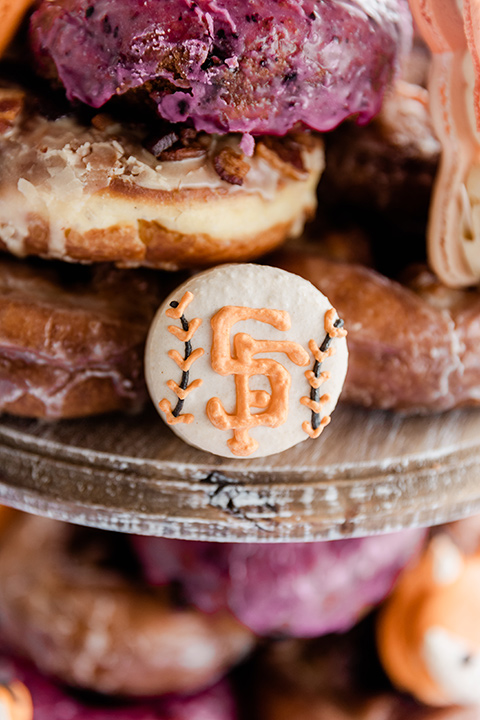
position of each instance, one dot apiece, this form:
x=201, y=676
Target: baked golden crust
x=71, y=339
x=93, y=192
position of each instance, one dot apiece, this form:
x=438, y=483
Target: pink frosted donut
x=301, y=589
x=51, y=702
x=257, y=66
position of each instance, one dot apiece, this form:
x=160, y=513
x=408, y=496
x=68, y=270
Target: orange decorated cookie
x=246, y=360
x=429, y=630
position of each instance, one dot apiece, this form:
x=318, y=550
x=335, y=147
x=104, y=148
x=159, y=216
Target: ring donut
x=298, y=589
x=412, y=348
x=72, y=339
x=257, y=66
x=94, y=628
x=91, y=191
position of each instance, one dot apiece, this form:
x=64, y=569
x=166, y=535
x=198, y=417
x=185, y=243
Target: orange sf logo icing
x=15, y=702
x=243, y=365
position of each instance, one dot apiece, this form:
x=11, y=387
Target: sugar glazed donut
x=66, y=601
x=98, y=189
x=254, y=67
x=72, y=339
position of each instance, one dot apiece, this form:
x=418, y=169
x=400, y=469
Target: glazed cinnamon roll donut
x=71, y=605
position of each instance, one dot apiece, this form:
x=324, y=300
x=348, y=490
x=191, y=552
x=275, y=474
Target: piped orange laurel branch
x=185, y=334
x=15, y=698
x=172, y=419
x=307, y=427
x=316, y=377
x=335, y=331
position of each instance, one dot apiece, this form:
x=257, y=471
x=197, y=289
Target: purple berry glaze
x=51, y=702
x=251, y=66
x=301, y=589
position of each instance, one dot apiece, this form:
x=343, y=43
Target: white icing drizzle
x=56, y=167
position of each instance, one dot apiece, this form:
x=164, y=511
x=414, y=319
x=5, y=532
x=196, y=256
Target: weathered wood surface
x=369, y=472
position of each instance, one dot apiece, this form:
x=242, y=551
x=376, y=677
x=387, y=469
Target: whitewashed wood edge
x=142, y=496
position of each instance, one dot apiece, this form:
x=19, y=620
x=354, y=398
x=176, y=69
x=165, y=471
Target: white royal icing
x=254, y=287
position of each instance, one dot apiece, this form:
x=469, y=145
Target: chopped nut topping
x=179, y=145
x=102, y=121
x=159, y=145
x=181, y=153
x=231, y=166
x=284, y=154
x=11, y=105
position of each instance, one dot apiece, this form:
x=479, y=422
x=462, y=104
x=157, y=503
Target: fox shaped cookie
x=428, y=632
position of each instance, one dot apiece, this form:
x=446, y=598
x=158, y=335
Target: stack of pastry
x=140, y=141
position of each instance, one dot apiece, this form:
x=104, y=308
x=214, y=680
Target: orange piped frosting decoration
x=243, y=365
x=333, y=327
x=185, y=363
x=314, y=381
x=318, y=354
x=185, y=334
x=172, y=419
x=428, y=632
x=178, y=310
x=15, y=701
x=315, y=433
x=183, y=393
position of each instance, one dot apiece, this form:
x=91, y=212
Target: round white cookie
x=246, y=360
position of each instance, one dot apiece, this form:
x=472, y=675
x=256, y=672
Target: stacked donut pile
x=101, y=625
x=170, y=135
x=158, y=137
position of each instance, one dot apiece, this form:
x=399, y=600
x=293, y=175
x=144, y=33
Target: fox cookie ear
x=447, y=560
